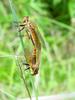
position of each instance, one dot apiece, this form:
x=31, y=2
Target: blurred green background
x=56, y=21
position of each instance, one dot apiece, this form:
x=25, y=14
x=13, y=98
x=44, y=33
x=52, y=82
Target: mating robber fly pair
x=32, y=55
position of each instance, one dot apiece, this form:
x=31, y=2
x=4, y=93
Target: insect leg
x=30, y=37
x=27, y=68
x=22, y=24
x=32, y=40
x=27, y=65
x=18, y=24
x=20, y=29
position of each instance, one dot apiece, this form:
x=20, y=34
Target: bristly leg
x=27, y=65
x=18, y=24
x=20, y=29
x=27, y=68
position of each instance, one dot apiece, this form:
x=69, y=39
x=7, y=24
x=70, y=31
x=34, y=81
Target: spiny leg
x=27, y=65
x=32, y=40
x=22, y=26
x=18, y=24
x=20, y=29
x=30, y=37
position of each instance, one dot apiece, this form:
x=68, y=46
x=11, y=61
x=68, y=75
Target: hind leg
x=27, y=66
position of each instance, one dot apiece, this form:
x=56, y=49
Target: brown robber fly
x=34, y=59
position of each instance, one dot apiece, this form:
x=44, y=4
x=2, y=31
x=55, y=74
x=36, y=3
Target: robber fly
x=34, y=59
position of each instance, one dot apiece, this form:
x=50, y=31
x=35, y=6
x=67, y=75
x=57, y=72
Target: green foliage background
x=55, y=19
